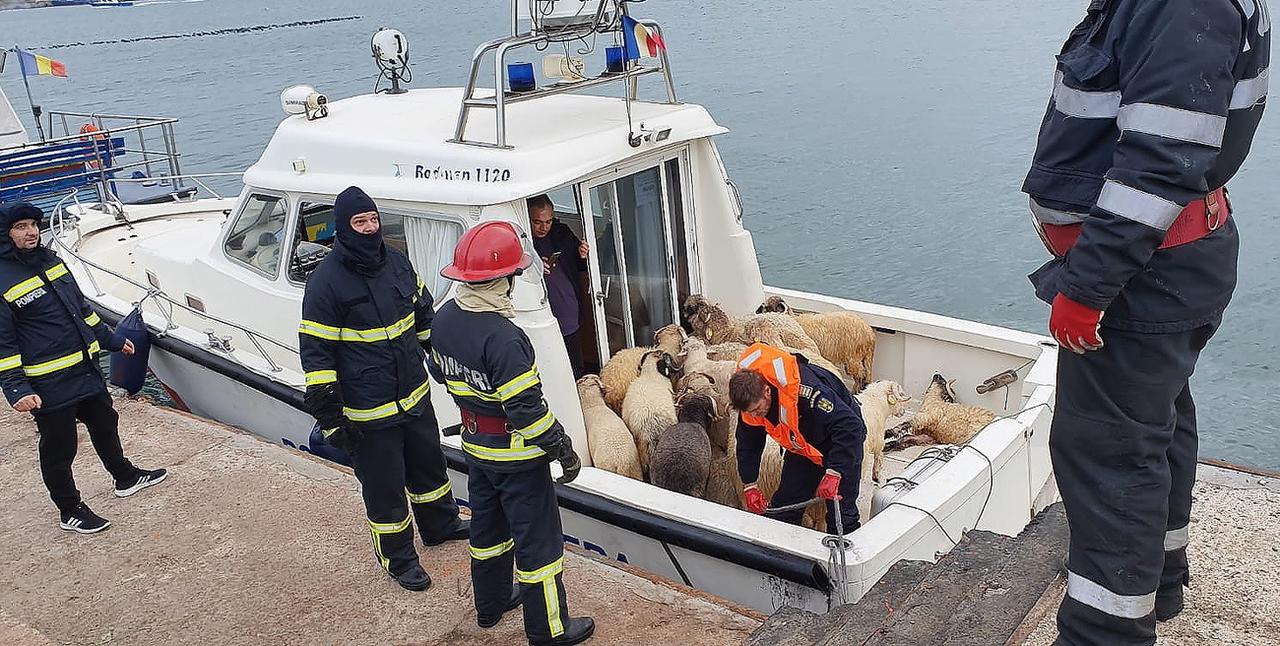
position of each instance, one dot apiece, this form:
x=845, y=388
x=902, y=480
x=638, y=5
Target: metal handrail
x=501, y=46
x=58, y=227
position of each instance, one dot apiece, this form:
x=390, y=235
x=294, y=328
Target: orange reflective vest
x=781, y=371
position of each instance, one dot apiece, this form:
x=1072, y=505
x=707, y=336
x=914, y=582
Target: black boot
x=415, y=578
x=460, y=532
x=487, y=621
x=1168, y=602
x=576, y=631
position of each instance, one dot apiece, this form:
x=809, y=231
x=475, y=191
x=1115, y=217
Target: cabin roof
x=396, y=146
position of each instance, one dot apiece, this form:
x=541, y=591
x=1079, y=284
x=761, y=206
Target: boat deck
x=252, y=543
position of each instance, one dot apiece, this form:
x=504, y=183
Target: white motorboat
x=220, y=283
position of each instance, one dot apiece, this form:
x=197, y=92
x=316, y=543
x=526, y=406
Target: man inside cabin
x=49, y=343
x=564, y=257
x=811, y=414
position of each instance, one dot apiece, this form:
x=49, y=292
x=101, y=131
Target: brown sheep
x=842, y=337
x=942, y=420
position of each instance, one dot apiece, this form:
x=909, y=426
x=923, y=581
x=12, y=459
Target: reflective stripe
x=417, y=395
x=486, y=553
x=1250, y=92
x=1117, y=605
x=463, y=389
x=1176, y=539
x=55, y=272
x=749, y=359
x=370, y=414
x=503, y=455
x=1173, y=123
x=424, y=335
x=377, y=334
x=9, y=363
x=519, y=384
x=92, y=319
x=317, y=377
x=537, y=428
x=390, y=408
x=23, y=288
x=61, y=363
x=1082, y=104
x=1132, y=204
x=1054, y=216
x=784, y=416
x=318, y=330
x=431, y=496
x=389, y=528
x=779, y=369
x=94, y=348
x=548, y=571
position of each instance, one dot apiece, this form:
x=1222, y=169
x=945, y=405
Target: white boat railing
x=223, y=344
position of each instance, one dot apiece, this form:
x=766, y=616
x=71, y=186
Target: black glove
x=324, y=402
x=344, y=437
x=568, y=459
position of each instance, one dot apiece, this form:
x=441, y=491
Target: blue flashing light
x=520, y=77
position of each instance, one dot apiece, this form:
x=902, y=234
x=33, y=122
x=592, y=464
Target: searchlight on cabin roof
x=391, y=52
x=303, y=99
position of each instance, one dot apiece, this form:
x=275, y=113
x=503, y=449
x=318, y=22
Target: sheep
x=610, y=443
x=941, y=419
x=842, y=337
x=649, y=409
x=723, y=484
x=624, y=365
x=713, y=325
x=682, y=455
x=879, y=401
x=728, y=351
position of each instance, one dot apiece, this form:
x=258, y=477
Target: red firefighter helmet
x=487, y=252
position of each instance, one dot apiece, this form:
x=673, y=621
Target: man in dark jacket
x=1153, y=110
x=50, y=339
x=510, y=437
x=365, y=331
x=564, y=257
x=812, y=415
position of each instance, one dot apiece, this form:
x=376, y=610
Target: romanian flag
x=37, y=65
x=639, y=40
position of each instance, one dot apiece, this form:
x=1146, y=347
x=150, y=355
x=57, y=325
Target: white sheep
x=624, y=365
x=728, y=351
x=610, y=443
x=682, y=455
x=879, y=401
x=648, y=409
x=843, y=338
x=942, y=420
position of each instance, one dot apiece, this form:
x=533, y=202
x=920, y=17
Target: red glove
x=829, y=488
x=756, y=503
x=1075, y=326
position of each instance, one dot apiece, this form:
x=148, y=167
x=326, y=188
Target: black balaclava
x=364, y=254
x=10, y=214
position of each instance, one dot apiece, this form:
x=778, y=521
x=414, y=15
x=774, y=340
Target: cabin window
x=427, y=241
x=637, y=231
x=258, y=233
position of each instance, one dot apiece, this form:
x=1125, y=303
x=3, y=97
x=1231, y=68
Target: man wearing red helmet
x=510, y=437
x=365, y=331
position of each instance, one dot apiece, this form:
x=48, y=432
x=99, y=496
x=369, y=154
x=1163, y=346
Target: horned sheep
x=844, y=338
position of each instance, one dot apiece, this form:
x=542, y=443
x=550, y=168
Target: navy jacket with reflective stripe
x=368, y=334
x=1155, y=104
x=48, y=329
x=487, y=363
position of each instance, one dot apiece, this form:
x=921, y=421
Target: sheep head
x=939, y=391
x=591, y=389
x=898, y=398
x=773, y=304
x=669, y=338
x=660, y=361
x=697, y=408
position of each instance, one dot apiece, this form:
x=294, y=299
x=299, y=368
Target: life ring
x=89, y=129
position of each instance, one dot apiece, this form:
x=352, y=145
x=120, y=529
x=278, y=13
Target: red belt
x=484, y=424
x=1197, y=220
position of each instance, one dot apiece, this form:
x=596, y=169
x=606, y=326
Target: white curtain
x=431, y=245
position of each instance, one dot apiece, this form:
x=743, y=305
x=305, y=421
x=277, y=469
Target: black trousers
x=58, y=446
x=514, y=516
x=1124, y=446
x=398, y=460
x=573, y=346
x=799, y=482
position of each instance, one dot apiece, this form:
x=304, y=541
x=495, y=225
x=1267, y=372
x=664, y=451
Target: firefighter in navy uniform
x=510, y=438
x=811, y=414
x=364, y=335
x=49, y=344
x=1154, y=109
